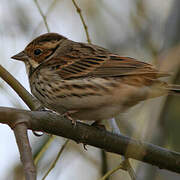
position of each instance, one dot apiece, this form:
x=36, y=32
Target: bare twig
x=109, y=173
x=124, y=165
x=126, y=162
x=50, y=8
x=42, y=14
x=43, y=149
x=54, y=124
x=20, y=131
x=130, y=170
x=104, y=163
x=55, y=161
x=29, y=100
x=83, y=21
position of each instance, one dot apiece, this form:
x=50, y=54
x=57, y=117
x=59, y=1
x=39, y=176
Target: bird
x=86, y=81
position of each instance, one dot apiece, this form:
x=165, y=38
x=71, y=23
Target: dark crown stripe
x=49, y=37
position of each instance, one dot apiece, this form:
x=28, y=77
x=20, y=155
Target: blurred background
x=143, y=29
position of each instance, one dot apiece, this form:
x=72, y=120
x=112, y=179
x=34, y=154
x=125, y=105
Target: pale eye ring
x=37, y=52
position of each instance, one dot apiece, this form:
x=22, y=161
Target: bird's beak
x=20, y=56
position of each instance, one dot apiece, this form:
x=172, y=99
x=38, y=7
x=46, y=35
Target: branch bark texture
x=20, y=131
x=54, y=124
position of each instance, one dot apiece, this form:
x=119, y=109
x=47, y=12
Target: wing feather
x=84, y=60
x=94, y=67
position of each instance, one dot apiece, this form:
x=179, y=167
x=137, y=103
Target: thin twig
x=104, y=163
x=44, y=149
x=125, y=161
x=130, y=170
x=109, y=173
x=29, y=100
x=55, y=161
x=50, y=8
x=20, y=131
x=82, y=20
x=42, y=14
x=124, y=165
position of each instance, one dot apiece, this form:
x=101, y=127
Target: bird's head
x=40, y=49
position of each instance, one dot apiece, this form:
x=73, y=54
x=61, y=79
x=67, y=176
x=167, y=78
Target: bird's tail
x=173, y=89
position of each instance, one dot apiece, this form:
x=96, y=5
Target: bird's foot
x=68, y=116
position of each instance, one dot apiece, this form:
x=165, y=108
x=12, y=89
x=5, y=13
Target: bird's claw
x=68, y=116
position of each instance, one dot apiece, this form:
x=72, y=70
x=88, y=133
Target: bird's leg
x=68, y=115
x=114, y=126
x=125, y=161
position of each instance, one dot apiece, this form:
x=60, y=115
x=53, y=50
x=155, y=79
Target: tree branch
x=20, y=131
x=82, y=133
x=82, y=20
x=29, y=100
x=42, y=14
x=125, y=161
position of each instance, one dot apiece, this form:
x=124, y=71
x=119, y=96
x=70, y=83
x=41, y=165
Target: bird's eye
x=37, y=52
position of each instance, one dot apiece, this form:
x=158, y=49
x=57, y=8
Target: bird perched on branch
x=86, y=81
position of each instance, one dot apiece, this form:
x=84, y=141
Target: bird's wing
x=93, y=61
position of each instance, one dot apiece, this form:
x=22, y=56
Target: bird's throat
x=29, y=68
